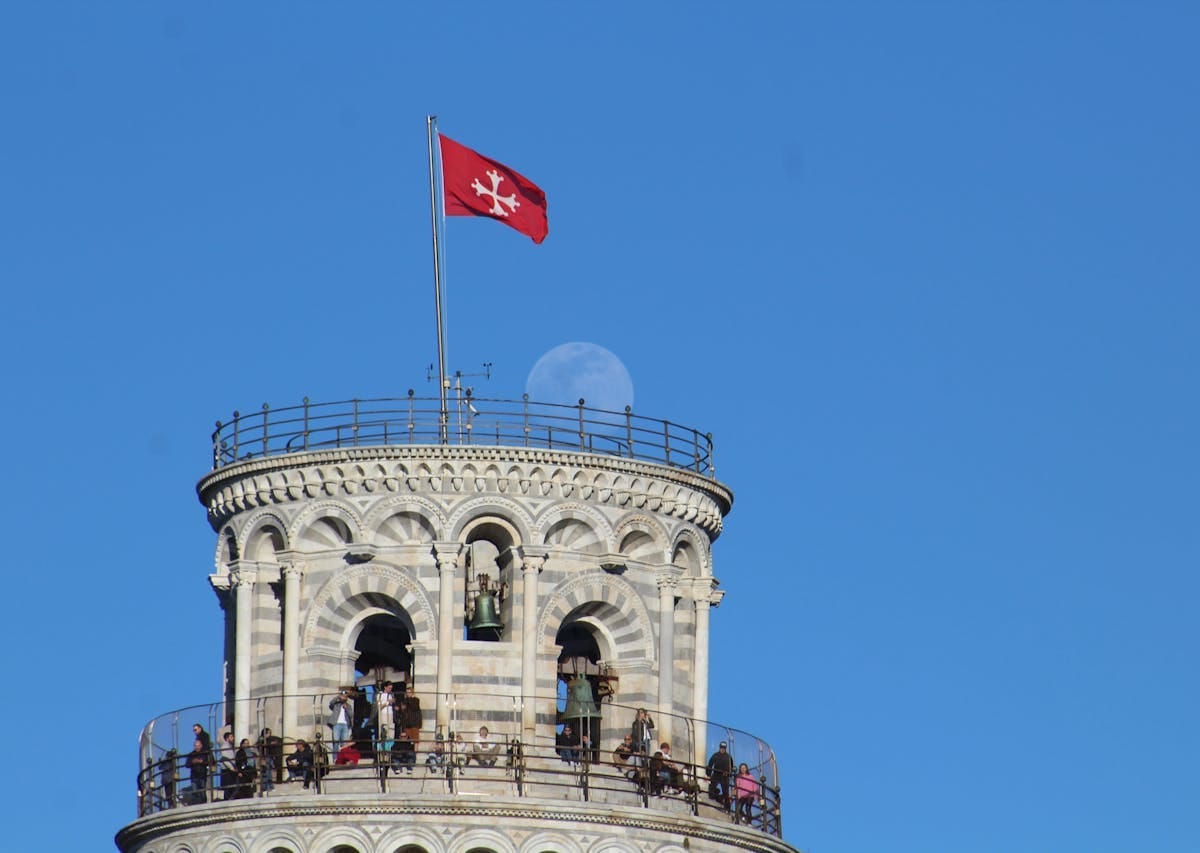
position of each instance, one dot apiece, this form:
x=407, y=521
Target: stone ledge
x=527, y=812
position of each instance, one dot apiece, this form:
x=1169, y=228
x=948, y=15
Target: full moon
x=574, y=370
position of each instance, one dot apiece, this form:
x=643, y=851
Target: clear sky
x=921, y=268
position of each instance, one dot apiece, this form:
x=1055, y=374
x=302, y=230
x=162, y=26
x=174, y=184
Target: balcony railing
x=470, y=421
x=174, y=774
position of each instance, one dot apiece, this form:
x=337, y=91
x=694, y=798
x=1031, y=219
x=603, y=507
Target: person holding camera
x=341, y=715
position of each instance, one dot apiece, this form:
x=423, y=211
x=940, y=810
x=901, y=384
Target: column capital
x=667, y=577
x=446, y=554
x=242, y=572
x=531, y=558
x=292, y=570
x=702, y=590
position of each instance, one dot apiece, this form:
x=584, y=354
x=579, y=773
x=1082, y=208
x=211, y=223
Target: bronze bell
x=580, y=704
x=486, y=615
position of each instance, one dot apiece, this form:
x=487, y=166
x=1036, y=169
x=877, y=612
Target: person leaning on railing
x=300, y=763
x=625, y=760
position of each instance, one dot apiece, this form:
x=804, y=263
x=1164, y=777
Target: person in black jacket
x=197, y=763
x=566, y=744
x=243, y=764
x=300, y=763
x=719, y=769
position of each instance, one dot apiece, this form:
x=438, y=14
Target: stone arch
x=325, y=525
x=559, y=842
x=342, y=835
x=608, y=604
x=417, y=517
x=493, y=528
x=264, y=536
x=279, y=839
x=641, y=537
x=609, y=845
x=227, y=546
x=223, y=844
x=410, y=838
x=576, y=527
x=688, y=553
x=481, y=839
x=351, y=595
x=499, y=508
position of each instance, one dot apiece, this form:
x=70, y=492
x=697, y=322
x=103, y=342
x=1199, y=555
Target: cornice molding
x=593, y=479
x=386, y=809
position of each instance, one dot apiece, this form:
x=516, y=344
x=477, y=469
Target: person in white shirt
x=485, y=751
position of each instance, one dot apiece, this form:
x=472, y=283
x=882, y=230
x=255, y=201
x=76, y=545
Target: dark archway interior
x=382, y=648
x=580, y=656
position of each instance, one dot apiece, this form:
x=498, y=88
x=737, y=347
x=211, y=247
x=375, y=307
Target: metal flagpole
x=443, y=412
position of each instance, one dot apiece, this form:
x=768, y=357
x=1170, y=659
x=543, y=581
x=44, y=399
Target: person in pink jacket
x=746, y=788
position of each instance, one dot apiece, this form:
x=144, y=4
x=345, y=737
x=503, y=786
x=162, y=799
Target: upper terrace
x=469, y=421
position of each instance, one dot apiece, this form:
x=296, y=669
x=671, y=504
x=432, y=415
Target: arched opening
x=487, y=579
x=579, y=679
x=383, y=651
x=384, y=655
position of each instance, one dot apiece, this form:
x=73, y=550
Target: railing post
x=525, y=411
x=470, y=417
x=582, y=443
x=696, y=450
x=265, y=409
x=217, y=447
x=237, y=422
x=712, y=464
x=411, y=424
x=666, y=442
x=354, y=427
x=629, y=429
x=306, y=424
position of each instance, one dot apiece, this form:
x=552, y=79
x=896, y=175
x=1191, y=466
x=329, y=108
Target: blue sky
x=922, y=270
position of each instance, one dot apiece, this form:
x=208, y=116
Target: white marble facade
x=311, y=545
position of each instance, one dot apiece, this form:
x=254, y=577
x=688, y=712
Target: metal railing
x=471, y=421
x=179, y=768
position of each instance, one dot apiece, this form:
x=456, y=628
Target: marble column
x=532, y=562
x=291, y=648
x=705, y=598
x=446, y=554
x=242, y=579
x=668, y=579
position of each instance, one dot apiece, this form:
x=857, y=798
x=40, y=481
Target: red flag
x=477, y=186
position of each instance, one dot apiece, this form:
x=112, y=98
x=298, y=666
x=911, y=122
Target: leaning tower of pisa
x=515, y=566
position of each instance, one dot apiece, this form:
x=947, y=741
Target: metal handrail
x=475, y=421
x=526, y=770
x=595, y=772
